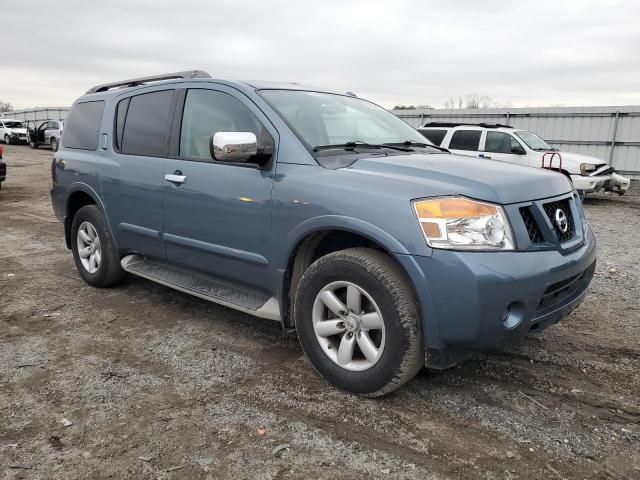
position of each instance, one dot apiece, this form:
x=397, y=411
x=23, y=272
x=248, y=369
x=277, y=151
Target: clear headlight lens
x=587, y=168
x=458, y=223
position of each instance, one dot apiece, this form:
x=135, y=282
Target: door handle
x=482, y=155
x=176, y=177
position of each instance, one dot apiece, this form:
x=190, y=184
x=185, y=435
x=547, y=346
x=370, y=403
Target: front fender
x=340, y=222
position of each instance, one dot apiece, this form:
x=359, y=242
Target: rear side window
x=433, y=135
x=465, y=140
x=83, y=126
x=145, y=129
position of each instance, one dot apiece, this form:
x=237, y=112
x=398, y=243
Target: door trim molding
x=220, y=250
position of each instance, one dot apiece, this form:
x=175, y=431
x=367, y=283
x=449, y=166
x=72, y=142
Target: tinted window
x=146, y=124
x=465, y=140
x=120, y=116
x=207, y=112
x=83, y=125
x=434, y=136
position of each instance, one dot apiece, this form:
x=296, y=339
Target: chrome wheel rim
x=348, y=326
x=89, y=249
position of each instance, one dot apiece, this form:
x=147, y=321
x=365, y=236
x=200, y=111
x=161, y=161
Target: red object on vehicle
x=1, y=150
x=551, y=156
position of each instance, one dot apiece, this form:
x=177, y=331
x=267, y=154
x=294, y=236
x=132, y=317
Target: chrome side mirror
x=233, y=146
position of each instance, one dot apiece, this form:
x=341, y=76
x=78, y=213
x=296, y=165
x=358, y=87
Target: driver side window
x=207, y=112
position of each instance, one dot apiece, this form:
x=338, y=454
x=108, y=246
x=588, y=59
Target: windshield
x=325, y=119
x=533, y=141
x=13, y=125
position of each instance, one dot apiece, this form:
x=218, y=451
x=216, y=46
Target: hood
x=426, y=175
x=571, y=161
x=15, y=130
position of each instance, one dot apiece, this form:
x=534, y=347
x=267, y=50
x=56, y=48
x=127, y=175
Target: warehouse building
x=38, y=113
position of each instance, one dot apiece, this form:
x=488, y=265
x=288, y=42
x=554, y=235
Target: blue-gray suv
x=322, y=211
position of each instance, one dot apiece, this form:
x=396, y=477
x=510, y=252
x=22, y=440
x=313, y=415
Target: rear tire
x=94, y=251
x=387, y=316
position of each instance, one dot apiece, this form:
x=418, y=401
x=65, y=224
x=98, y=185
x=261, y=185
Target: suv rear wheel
x=358, y=322
x=94, y=251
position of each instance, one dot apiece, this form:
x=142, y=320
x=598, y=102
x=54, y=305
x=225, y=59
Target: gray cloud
x=393, y=52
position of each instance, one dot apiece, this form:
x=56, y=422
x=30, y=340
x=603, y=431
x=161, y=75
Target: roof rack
x=134, y=82
x=458, y=124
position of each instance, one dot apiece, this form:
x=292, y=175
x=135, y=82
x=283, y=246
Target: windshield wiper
x=413, y=143
x=359, y=144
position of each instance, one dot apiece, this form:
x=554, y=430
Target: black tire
x=33, y=144
x=375, y=272
x=54, y=144
x=7, y=139
x=109, y=271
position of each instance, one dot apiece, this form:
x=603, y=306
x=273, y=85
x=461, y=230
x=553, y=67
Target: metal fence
x=609, y=133
x=44, y=113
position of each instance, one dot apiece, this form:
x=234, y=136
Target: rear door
x=133, y=181
x=465, y=142
x=217, y=218
x=504, y=147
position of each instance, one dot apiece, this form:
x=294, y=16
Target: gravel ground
x=152, y=383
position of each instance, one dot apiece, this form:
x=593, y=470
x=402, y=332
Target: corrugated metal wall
x=44, y=113
x=609, y=133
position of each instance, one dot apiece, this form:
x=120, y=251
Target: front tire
x=54, y=144
x=7, y=139
x=94, y=252
x=358, y=321
x=33, y=144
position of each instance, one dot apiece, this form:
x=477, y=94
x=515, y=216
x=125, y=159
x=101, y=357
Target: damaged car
x=522, y=147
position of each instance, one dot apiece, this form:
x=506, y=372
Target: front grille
x=535, y=235
x=551, y=210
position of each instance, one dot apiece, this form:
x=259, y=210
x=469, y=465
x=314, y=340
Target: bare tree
x=474, y=101
x=5, y=107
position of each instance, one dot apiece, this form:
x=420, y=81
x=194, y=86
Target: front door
x=505, y=148
x=217, y=217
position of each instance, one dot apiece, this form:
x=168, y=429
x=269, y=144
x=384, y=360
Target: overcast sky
x=528, y=53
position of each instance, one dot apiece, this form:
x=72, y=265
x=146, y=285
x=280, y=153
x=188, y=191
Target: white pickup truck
x=508, y=144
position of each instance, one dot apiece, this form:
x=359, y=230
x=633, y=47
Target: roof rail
x=134, y=82
x=459, y=124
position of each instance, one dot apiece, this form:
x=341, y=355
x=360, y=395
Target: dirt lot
x=157, y=384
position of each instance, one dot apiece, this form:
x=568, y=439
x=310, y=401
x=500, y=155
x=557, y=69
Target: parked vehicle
x=12, y=131
x=322, y=211
x=45, y=132
x=3, y=168
x=508, y=144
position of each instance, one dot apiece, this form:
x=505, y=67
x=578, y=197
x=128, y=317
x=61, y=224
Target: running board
x=202, y=287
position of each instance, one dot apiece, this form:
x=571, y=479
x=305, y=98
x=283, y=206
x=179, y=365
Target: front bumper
x=617, y=183
x=588, y=184
x=480, y=300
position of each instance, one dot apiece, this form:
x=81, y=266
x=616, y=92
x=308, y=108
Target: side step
x=203, y=287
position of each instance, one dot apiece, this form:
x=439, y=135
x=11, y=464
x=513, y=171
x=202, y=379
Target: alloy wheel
x=348, y=326
x=89, y=249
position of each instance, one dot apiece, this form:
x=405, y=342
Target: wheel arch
x=80, y=195
x=323, y=235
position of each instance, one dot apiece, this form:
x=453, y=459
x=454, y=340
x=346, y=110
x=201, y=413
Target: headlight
x=461, y=224
x=586, y=168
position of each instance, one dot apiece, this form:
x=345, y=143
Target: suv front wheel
x=358, y=321
x=94, y=251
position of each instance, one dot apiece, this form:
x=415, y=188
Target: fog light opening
x=513, y=315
